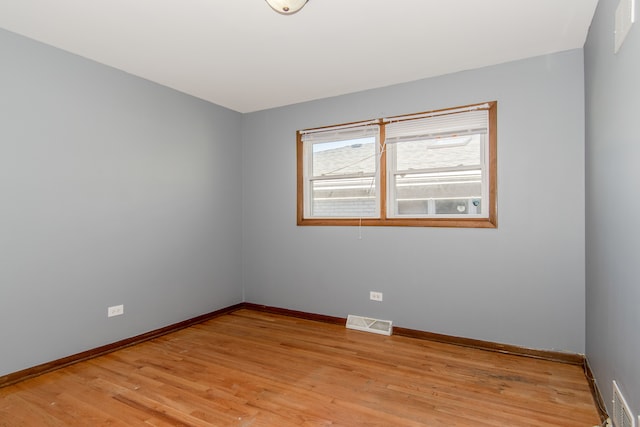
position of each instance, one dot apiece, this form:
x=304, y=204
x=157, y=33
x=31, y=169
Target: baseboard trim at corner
x=294, y=313
x=595, y=391
x=554, y=356
x=34, y=371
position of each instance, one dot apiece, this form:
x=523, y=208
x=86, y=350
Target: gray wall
x=113, y=190
x=522, y=283
x=613, y=201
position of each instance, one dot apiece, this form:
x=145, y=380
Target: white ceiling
x=244, y=56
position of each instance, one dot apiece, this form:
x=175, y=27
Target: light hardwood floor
x=251, y=368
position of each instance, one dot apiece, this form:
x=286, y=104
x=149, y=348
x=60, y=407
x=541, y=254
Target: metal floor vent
x=368, y=324
x=622, y=416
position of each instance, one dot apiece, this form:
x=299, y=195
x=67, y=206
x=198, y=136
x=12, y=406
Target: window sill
x=403, y=222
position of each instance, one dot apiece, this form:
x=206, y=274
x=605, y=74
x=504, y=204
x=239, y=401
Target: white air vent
x=367, y=324
x=622, y=416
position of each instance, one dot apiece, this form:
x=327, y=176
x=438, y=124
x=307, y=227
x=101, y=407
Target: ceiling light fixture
x=287, y=7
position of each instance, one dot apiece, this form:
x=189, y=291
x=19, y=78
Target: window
x=428, y=169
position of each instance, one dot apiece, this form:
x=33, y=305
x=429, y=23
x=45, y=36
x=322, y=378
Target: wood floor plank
x=251, y=368
x=16, y=411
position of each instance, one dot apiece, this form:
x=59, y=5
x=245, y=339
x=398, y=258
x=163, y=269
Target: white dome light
x=286, y=7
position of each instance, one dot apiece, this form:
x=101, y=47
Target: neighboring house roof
x=417, y=155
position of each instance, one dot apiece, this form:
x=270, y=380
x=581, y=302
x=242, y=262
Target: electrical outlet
x=115, y=310
x=375, y=296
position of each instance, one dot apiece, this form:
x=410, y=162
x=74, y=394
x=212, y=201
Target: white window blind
x=417, y=129
x=340, y=133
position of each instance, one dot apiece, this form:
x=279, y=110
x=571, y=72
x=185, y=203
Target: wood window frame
x=491, y=221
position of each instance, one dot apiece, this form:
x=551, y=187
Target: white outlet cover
x=375, y=296
x=115, y=310
x=625, y=17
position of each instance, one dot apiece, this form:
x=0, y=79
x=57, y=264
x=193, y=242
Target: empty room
x=319, y=212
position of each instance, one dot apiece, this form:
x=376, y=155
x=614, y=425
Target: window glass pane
x=451, y=193
x=346, y=157
x=413, y=207
x=452, y=206
x=344, y=198
x=438, y=153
